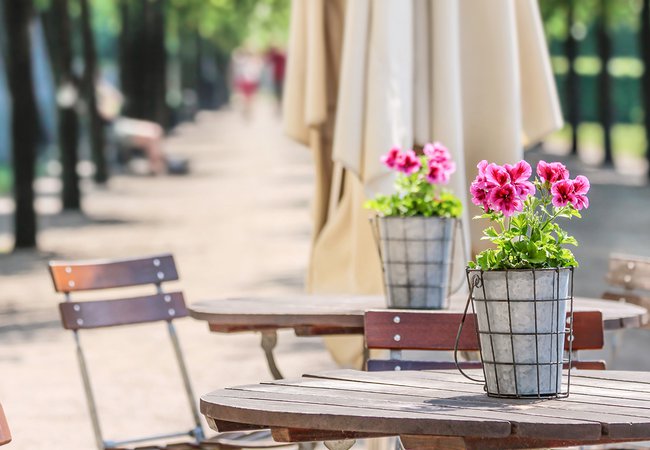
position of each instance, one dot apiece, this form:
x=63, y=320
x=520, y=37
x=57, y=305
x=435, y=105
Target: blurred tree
x=18, y=14
x=644, y=37
x=67, y=102
x=605, y=106
x=90, y=78
x=573, y=81
x=156, y=62
x=143, y=59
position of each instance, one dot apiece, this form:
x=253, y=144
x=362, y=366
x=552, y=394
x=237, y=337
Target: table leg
x=269, y=341
x=340, y=445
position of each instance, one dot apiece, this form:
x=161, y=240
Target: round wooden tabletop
x=603, y=406
x=345, y=312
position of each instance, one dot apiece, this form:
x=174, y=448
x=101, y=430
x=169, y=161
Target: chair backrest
x=69, y=277
x=398, y=330
x=5, y=435
x=630, y=275
x=105, y=274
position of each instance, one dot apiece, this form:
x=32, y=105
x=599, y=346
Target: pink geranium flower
x=519, y=177
x=390, y=159
x=563, y=193
x=479, y=194
x=552, y=172
x=481, y=179
x=496, y=175
x=408, y=162
x=504, y=198
x=438, y=173
x=581, y=187
x=437, y=152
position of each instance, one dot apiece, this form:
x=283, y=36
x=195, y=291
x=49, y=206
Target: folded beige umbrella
x=472, y=74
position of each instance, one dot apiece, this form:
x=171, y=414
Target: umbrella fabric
x=474, y=75
x=312, y=76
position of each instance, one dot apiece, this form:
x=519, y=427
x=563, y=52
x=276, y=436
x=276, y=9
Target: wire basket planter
x=524, y=323
x=416, y=255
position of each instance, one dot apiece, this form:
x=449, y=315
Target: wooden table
x=318, y=314
x=435, y=408
x=311, y=315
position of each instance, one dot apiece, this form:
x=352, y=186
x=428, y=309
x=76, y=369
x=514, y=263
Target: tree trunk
x=126, y=71
x=222, y=61
x=572, y=83
x=188, y=54
x=24, y=128
x=156, y=57
x=67, y=101
x=605, y=107
x=644, y=36
x=90, y=75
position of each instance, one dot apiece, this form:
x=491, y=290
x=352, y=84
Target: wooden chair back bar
x=435, y=330
x=629, y=297
x=5, y=434
x=92, y=275
x=109, y=313
x=629, y=272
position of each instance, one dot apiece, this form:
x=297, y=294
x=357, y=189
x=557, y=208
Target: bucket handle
x=475, y=282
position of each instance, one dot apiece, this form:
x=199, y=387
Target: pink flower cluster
x=439, y=165
x=505, y=188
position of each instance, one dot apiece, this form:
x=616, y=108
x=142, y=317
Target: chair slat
x=108, y=313
x=629, y=272
x=435, y=330
x=628, y=297
x=418, y=330
x=91, y=275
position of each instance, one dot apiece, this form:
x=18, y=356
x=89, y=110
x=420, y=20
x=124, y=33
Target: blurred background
x=139, y=127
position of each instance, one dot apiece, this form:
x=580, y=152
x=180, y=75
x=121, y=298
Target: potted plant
x=521, y=287
x=415, y=228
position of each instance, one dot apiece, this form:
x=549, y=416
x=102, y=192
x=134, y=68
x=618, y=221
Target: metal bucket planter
x=416, y=254
x=521, y=323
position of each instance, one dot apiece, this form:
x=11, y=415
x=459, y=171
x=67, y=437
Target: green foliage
x=415, y=196
x=531, y=239
x=230, y=23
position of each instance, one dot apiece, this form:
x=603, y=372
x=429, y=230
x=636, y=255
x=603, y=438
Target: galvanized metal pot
x=521, y=323
x=416, y=255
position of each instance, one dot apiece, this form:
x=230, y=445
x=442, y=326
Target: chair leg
x=269, y=341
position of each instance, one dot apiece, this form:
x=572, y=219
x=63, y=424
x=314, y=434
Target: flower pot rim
x=379, y=216
x=532, y=269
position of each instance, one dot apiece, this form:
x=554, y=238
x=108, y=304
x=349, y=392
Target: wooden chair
x=398, y=330
x=5, y=434
x=162, y=306
x=632, y=275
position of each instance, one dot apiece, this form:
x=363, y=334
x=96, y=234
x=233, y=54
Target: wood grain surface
x=604, y=406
